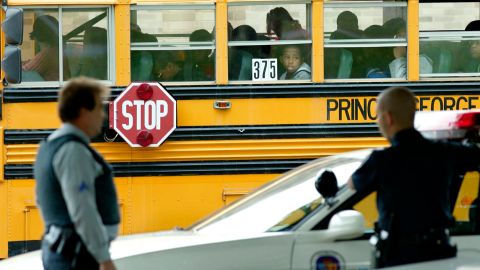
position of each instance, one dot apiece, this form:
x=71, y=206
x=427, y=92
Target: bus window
x=82, y=45
x=85, y=35
x=365, y=39
x=173, y=43
x=40, y=48
x=450, y=39
x=269, y=42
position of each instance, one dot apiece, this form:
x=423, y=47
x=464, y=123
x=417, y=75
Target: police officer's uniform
x=414, y=179
x=77, y=199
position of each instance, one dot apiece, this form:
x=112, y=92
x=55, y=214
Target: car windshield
x=282, y=203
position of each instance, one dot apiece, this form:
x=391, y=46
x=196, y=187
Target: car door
x=315, y=249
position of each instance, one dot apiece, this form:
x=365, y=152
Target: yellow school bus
x=261, y=87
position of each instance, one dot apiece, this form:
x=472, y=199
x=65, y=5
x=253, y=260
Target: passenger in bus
x=142, y=62
x=347, y=28
x=293, y=61
x=166, y=68
x=44, y=66
x=398, y=66
x=94, y=62
x=377, y=59
x=470, y=51
x=240, y=57
x=281, y=25
x=199, y=65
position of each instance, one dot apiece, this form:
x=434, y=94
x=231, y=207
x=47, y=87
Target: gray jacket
x=304, y=72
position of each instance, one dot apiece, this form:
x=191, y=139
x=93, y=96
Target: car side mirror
x=326, y=184
x=347, y=224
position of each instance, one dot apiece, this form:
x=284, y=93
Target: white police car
x=287, y=224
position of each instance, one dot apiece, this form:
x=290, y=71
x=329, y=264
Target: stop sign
x=144, y=114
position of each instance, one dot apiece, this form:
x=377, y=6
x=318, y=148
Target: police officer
x=74, y=185
x=413, y=179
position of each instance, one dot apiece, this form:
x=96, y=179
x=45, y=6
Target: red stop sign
x=144, y=114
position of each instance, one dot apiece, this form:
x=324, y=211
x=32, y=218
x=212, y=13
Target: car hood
x=131, y=245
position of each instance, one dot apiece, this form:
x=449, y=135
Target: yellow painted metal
x=3, y=185
x=413, y=49
x=466, y=195
x=20, y=116
x=3, y=219
x=59, y=2
x=146, y=203
x=24, y=221
x=2, y=45
x=122, y=44
x=221, y=18
x=165, y=201
x=4, y=201
x=261, y=111
x=318, y=75
x=213, y=150
x=367, y=207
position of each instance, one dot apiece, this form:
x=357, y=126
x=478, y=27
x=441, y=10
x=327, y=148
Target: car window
x=342, y=172
x=465, y=209
x=283, y=203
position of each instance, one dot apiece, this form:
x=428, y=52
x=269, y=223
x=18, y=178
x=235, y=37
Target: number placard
x=264, y=69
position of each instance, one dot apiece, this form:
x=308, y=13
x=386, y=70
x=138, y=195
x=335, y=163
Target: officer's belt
x=432, y=236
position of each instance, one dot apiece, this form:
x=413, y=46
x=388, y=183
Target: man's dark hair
x=200, y=35
x=45, y=29
x=77, y=94
x=347, y=20
x=395, y=26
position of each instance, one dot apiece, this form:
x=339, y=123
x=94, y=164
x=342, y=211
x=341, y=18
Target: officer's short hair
x=79, y=93
x=401, y=102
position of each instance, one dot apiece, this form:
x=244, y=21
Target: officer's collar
x=409, y=134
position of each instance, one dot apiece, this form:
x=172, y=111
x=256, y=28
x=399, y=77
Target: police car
x=298, y=221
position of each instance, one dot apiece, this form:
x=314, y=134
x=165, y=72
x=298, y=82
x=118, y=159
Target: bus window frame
x=364, y=43
x=456, y=36
x=309, y=41
x=110, y=43
x=177, y=46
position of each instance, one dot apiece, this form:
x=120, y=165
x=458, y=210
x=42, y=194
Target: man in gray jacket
x=74, y=184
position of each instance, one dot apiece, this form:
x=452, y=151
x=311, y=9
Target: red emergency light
x=448, y=125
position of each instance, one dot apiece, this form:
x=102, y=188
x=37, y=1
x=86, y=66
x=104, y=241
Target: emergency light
x=448, y=125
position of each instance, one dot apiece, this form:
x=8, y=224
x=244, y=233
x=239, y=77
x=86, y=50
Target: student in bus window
x=199, y=65
x=347, y=28
x=293, y=61
x=142, y=62
x=240, y=57
x=377, y=59
x=281, y=24
x=166, y=68
x=470, y=59
x=398, y=67
x=44, y=65
x=95, y=55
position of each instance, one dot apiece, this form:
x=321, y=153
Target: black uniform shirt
x=413, y=179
